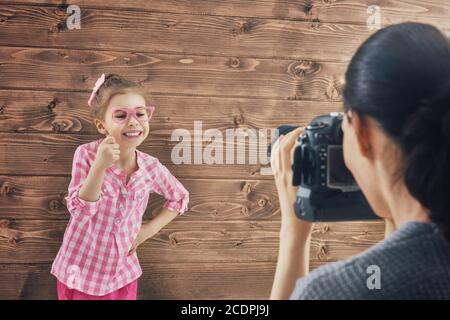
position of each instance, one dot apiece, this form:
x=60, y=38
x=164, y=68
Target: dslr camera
x=328, y=190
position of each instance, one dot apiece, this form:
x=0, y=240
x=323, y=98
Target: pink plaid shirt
x=93, y=257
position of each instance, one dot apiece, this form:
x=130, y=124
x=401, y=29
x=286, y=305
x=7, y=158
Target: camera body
x=328, y=190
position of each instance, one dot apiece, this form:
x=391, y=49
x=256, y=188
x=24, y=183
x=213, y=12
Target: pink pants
x=129, y=292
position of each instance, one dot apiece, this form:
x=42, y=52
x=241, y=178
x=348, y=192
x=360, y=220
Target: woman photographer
x=397, y=145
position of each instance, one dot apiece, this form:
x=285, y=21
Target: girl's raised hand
x=108, y=152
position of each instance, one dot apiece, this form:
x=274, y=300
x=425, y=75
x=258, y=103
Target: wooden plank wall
x=230, y=64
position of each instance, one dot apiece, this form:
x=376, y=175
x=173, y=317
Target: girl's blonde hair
x=114, y=84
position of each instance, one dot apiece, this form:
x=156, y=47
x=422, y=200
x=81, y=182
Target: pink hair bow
x=95, y=89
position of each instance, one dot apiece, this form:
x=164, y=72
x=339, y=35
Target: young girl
x=108, y=193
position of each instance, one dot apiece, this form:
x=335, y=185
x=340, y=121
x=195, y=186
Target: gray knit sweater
x=412, y=263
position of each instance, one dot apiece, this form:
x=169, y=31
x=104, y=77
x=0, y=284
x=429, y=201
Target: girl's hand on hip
x=142, y=236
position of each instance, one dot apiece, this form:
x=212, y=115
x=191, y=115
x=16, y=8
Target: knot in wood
x=234, y=62
x=322, y=251
x=238, y=243
x=245, y=211
x=4, y=223
x=238, y=119
x=301, y=69
x=5, y=189
x=262, y=202
x=52, y=104
x=307, y=8
x=243, y=27
x=54, y=205
x=247, y=188
x=173, y=242
x=12, y=241
x=59, y=126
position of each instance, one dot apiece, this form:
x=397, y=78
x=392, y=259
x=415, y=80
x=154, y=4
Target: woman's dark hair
x=400, y=76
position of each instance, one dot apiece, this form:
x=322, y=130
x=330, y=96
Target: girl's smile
x=127, y=119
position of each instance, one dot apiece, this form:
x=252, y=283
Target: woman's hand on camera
x=293, y=253
x=281, y=164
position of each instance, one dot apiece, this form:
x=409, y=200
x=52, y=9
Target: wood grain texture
x=344, y=11
x=230, y=64
x=32, y=111
x=228, y=275
x=23, y=68
x=190, y=281
x=52, y=154
x=166, y=32
x=42, y=114
x=212, y=35
x=43, y=198
x=184, y=241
